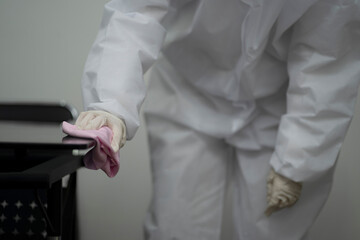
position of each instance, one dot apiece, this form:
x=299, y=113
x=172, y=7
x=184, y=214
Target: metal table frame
x=42, y=166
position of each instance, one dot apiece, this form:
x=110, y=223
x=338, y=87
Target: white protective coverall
x=238, y=86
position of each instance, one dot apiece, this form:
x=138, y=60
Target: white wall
x=43, y=47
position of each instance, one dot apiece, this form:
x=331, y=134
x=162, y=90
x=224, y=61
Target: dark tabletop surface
x=39, y=135
x=37, y=155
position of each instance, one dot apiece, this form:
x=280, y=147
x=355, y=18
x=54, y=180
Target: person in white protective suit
x=262, y=91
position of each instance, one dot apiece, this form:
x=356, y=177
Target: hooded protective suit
x=238, y=86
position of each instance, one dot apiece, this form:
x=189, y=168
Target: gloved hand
x=281, y=192
x=97, y=119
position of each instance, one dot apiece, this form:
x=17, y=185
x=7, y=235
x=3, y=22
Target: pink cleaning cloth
x=102, y=156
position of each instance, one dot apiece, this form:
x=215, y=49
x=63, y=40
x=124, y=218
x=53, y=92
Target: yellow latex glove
x=281, y=192
x=96, y=119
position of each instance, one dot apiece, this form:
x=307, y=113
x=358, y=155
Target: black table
x=39, y=156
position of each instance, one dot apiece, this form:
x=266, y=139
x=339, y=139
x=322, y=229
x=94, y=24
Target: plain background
x=43, y=48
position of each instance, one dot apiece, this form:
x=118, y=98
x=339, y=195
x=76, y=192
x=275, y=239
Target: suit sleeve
x=128, y=42
x=324, y=74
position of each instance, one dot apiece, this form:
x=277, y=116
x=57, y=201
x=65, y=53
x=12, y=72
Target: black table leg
x=55, y=211
x=69, y=210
